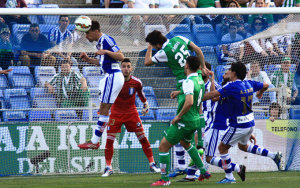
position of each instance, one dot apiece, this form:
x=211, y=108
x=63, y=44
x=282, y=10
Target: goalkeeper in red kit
x=124, y=111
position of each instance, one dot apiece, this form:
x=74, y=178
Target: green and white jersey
x=67, y=87
x=290, y=3
x=193, y=85
x=174, y=53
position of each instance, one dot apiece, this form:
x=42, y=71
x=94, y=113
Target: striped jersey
x=107, y=63
x=56, y=36
x=290, y=3
x=209, y=107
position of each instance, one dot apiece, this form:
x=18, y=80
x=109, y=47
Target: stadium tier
x=50, y=98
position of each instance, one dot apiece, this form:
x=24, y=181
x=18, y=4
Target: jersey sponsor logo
x=131, y=91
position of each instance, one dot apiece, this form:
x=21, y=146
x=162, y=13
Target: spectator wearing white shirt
x=282, y=44
x=168, y=19
x=255, y=73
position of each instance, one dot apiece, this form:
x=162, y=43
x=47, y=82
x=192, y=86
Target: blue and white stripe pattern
x=55, y=35
x=209, y=107
x=228, y=135
x=108, y=64
x=213, y=143
x=109, y=83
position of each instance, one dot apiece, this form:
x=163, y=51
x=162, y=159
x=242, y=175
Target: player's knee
x=208, y=158
x=242, y=147
x=222, y=148
x=184, y=144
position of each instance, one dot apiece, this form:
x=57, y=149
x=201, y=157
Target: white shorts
x=110, y=87
x=237, y=135
x=212, y=139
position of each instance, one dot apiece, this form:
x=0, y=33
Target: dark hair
x=34, y=25
x=126, y=60
x=239, y=69
x=233, y=24
x=208, y=65
x=263, y=21
x=63, y=16
x=235, y=2
x=156, y=37
x=95, y=26
x=193, y=63
x=275, y=105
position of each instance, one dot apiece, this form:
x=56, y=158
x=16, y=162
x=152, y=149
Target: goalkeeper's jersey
x=174, y=53
x=125, y=102
x=193, y=85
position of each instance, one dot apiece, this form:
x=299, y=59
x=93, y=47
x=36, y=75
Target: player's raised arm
x=88, y=59
x=148, y=56
x=261, y=91
x=211, y=95
x=199, y=53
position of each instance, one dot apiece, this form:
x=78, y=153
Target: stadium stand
x=65, y=115
x=43, y=74
x=149, y=116
x=93, y=75
x=3, y=82
x=40, y=98
x=166, y=114
x=181, y=30
x=20, y=77
x=40, y=116
x=202, y=32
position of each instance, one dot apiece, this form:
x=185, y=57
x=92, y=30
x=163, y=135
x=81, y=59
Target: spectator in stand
x=285, y=78
x=62, y=38
x=207, y=3
x=296, y=47
x=69, y=87
x=242, y=3
x=252, y=3
x=268, y=17
x=33, y=46
x=233, y=50
x=282, y=44
x=6, y=53
x=255, y=73
x=187, y=3
x=275, y=111
x=113, y=3
x=2, y=20
x=287, y=3
x=10, y=20
x=168, y=19
x=135, y=23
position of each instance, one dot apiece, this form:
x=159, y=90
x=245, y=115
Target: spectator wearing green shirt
x=268, y=17
x=287, y=3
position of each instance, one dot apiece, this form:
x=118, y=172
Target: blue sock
x=191, y=171
x=216, y=161
x=226, y=163
x=100, y=128
x=179, y=154
x=255, y=149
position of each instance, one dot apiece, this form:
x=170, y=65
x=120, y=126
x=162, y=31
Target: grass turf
x=253, y=180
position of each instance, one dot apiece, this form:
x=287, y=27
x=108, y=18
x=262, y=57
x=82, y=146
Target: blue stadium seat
x=150, y=28
x=14, y=116
x=66, y=115
x=33, y=18
x=40, y=116
x=166, y=114
x=20, y=77
x=3, y=81
x=149, y=116
x=49, y=19
x=93, y=75
x=43, y=74
x=94, y=97
x=2, y=100
x=148, y=91
x=294, y=113
x=45, y=28
x=181, y=30
x=16, y=98
x=85, y=115
x=152, y=101
x=220, y=70
x=74, y=68
x=71, y=27
x=42, y=99
x=204, y=34
x=34, y=2
x=198, y=20
x=18, y=30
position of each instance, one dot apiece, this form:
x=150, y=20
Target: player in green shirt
x=185, y=123
x=172, y=52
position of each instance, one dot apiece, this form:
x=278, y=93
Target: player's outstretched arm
x=148, y=56
x=86, y=58
x=199, y=53
x=118, y=55
x=261, y=91
x=211, y=95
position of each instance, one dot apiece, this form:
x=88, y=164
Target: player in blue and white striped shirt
x=110, y=86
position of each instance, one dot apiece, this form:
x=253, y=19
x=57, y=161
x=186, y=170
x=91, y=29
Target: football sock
x=100, y=128
x=191, y=171
x=194, y=154
x=164, y=162
x=179, y=157
x=216, y=161
x=255, y=149
x=146, y=147
x=109, y=149
x=226, y=165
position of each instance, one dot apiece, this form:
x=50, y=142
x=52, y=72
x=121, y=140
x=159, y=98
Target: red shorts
x=131, y=121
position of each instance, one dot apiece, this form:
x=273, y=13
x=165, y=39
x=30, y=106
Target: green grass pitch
x=253, y=180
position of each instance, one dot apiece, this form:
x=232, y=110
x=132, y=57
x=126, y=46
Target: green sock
x=194, y=154
x=164, y=160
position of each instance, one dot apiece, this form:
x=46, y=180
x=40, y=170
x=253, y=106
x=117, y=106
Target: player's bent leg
x=226, y=163
x=147, y=151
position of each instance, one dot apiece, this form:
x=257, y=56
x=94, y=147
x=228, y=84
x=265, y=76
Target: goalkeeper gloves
x=145, y=108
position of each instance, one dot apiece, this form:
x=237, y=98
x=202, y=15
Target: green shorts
x=181, y=131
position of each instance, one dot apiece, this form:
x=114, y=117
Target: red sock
x=146, y=147
x=109, y=149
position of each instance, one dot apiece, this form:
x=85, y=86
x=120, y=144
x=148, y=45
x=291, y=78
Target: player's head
x=255, y=68
x=237, y=71
x=275, y=110
x=94, y=33
x=126, y=67
x=156, y=39
x=285, y=64
x=63, y=22
x=226, y=78
x=192, y=64
x=208, y=66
